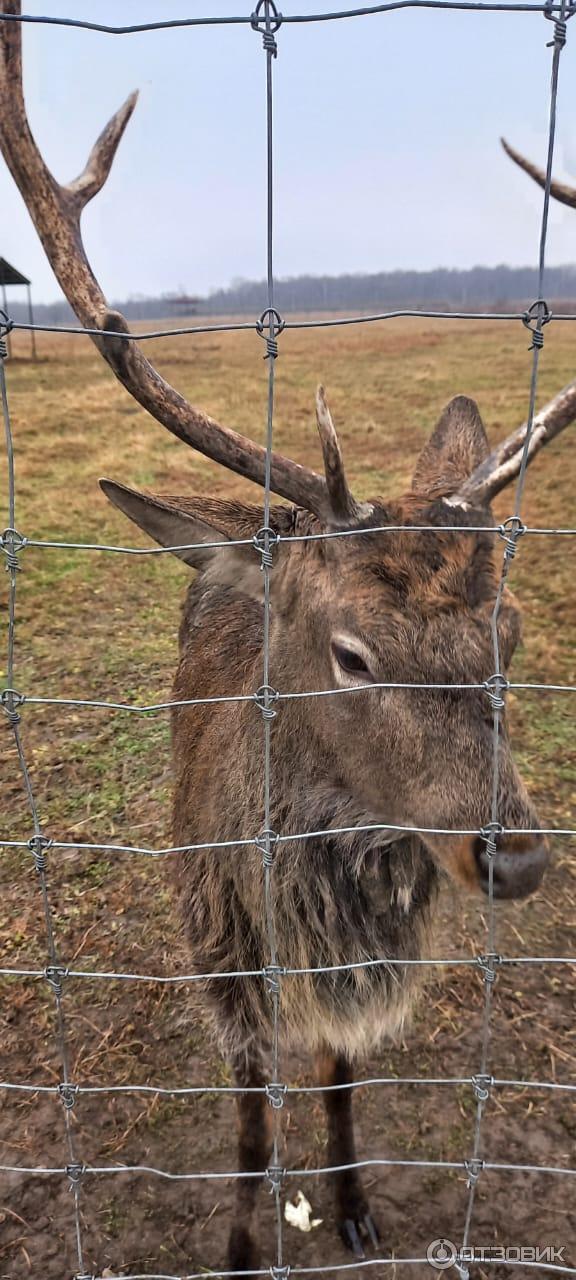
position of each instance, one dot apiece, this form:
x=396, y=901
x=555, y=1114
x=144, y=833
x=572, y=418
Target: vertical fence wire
x=38, y=843
x=274, y=979
x=499, y=684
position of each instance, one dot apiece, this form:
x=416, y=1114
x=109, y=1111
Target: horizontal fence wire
x=285, y=19
x=244, y=842
x=255, y=326
x=14, y=542
x=235, y=1175
x=267, y=20
x=329, y=1268
x=334, y=1268
x=23, y=542
x=384, y=962
x=392, y=1261
x=171, y=1091
x=255, y=698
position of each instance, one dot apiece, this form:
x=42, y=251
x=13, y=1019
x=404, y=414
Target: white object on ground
x=298, y=1213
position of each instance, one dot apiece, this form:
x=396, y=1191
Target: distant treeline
x=481, y=288
x=444, y=289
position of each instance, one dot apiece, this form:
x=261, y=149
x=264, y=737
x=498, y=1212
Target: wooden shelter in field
x=9, y=275
x=183, y=302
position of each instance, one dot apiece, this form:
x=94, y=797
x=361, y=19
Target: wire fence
x=267, y=21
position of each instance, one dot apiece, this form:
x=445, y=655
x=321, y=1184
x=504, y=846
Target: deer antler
x=503, y=464
x=56, y=212
x=346, y=510
x=560, y=191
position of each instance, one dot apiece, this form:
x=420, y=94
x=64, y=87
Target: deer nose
x=519, y=864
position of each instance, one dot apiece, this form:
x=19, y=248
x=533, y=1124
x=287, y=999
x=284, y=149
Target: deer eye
x=351, y=661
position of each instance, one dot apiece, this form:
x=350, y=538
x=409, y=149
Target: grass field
x=104, y=627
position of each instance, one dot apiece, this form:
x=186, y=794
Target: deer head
x=390, y=606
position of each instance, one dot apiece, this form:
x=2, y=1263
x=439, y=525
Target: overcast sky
x=386, y=142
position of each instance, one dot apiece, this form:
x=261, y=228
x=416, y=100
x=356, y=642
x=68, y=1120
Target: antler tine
x=560, y=190
x=503, y=464
x=344, y=509
x=56, y=212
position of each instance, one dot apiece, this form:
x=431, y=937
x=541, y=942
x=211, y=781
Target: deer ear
x=176, y=522
x=457, y=445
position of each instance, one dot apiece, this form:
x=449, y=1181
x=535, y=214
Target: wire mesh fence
x=76, y=1168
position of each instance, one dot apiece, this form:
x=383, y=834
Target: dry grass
x=105, y=627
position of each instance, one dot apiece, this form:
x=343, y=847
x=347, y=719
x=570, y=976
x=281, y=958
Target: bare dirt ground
x=104, y=627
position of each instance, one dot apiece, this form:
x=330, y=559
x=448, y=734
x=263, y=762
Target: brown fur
x=414, y=758
x=418, y=605
x=425, y=760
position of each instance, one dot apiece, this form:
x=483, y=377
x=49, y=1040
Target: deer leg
x=355, y=1222
x=254, y=1146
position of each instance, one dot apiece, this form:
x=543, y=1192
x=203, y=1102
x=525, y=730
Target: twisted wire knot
x=495, y=687
x=489, y=834
x=481, y=1086
x=272, y=975
x=276, y=1094
x=271, y=348
x=263, y=698
x=75, y=1172
x=534, y=319
x=269, y=43
x=473, y=1168
x=68, y=1094
x=274, y=1175
x=55, y=975
x=488, y=964
x=280, y=1273
x=268, y=326
x=510, y=530
x=6, y=327
x=265, y=542
x=266, y=842
x=10, y=699
x=266, y=13
x=560, y=33
x=12, y=542
x=38, y=846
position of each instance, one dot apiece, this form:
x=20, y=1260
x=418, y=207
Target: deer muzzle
x=519, y=864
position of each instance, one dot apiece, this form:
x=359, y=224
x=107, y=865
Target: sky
x=386, y=143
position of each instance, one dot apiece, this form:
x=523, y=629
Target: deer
x=398, y=781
